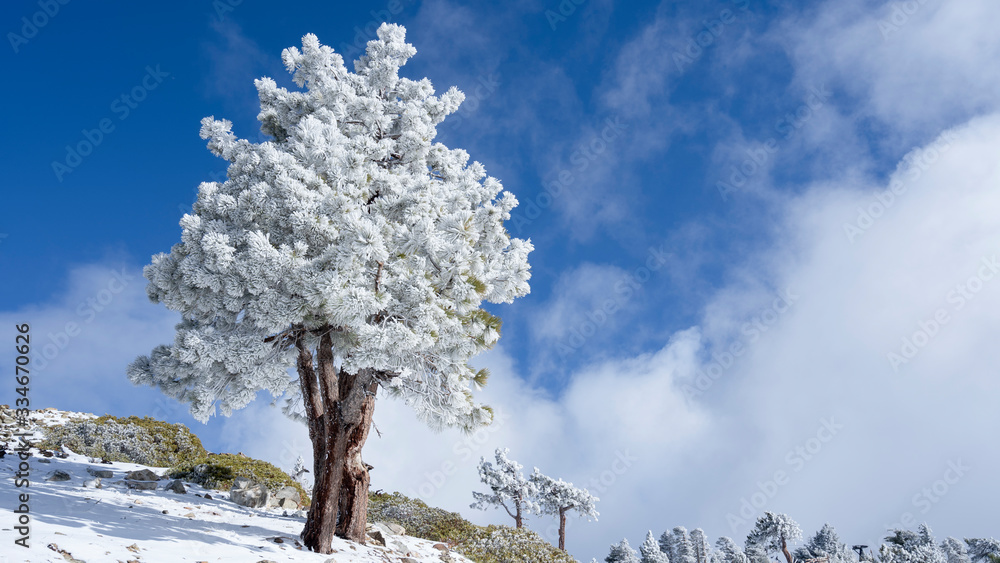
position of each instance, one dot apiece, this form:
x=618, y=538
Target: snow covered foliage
x=825, y=543
x=350, y=221
x=557, y=496
x=676, y=544
x=729, y=551
x=983, y=550
x=622, y=552
x=954, y=551
x=509, y=488
x=650, y=551
x=904, y=546
x=135, y=440
x=772, y=533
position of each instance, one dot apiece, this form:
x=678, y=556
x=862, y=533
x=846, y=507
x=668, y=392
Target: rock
x=242, y=483
x=398, y=546
x=289, y=493
x=176, y=486
x=94, y=483
x=288, y=504
x=252, y=497
x=208, y=496
x=141, y=485
x=58, y=475
x=377, y=537
x=102, y=473
x=440, y=547
x=301, y=514
x=395, y=528
x=43, y=460
x=142, y=475
x=409, y=560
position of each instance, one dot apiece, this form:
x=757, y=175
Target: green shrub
x=482, y=544
x=217, y=471
x=134, y=440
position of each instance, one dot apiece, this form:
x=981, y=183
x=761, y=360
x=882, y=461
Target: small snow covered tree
x=772, y=533
x=984, y=550
x=508, y=486
x=622, y=552
x=650, y=550
x=348, y=248
x=700, y=546
x=299, y=472
x=557, y=497
x=729, y=551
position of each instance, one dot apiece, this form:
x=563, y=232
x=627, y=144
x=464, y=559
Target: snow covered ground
x=70, y=522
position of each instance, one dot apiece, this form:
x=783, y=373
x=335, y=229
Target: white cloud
x=918, y=67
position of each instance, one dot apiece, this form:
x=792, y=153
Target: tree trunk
x=357, y=406
x=562, y=528
x=339, y=410
x=517, y=514
x=784, y=549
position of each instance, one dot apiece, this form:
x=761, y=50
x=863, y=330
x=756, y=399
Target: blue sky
x=713, y=173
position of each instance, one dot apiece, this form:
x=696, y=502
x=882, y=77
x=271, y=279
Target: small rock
x=395, y=528
x=92, y=483
x=288, y=504
x=102, y=473
x=208, y=496
x=440, y=547
x=189, y=515
x=176, y=486
x=43, y=460
x=58, y=475
x=163, y=512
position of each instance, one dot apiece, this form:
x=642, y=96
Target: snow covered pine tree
x=772, y=533
x=507, y=485
x=557, y=497
x=349, y=247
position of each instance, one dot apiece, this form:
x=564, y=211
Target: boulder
x=140, y=485
x=176, y=486
x=256, y=496
x=289, y=493
x=94, y=483
x=142, y=475
x=395, y=528
x=58, y=475
x=102, y=473
x=242, y=483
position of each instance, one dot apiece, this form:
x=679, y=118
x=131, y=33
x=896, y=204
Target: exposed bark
x=339, y=408
x=784, y=549
x=518, y=520
x=357, y=406
x=562, y=527
x=322, y=519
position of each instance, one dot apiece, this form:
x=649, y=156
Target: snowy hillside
x=71, y=521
